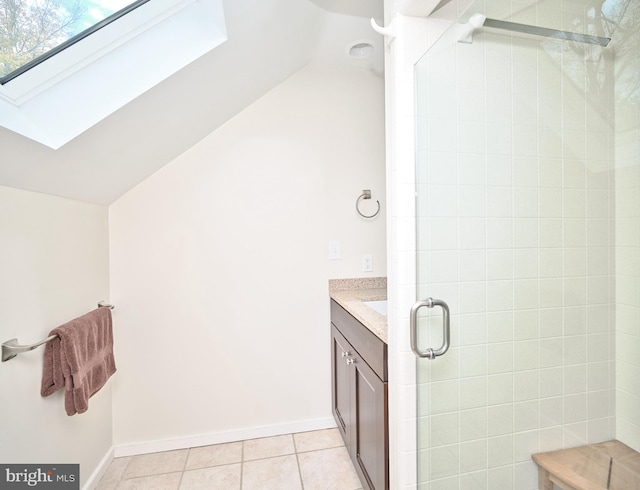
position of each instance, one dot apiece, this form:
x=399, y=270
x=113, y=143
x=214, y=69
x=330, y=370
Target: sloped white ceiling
x=268, y=41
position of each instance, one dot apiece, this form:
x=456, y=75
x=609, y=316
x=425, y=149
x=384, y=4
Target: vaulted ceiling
x=268, y=41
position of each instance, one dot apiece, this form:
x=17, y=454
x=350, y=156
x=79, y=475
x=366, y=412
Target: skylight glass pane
x=32, y=30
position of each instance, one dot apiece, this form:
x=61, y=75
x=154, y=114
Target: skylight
x=59, y=97
x=31, y=31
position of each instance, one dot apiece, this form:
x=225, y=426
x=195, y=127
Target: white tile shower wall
x=627, y=236
x=413, y=37
x=518, y=186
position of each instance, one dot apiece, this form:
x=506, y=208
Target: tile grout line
x=184, y=466
x=241, y=463
x=124, y=472
x=295, y=449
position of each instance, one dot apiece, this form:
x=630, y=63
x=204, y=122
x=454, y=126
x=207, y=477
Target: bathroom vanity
x=359, y=385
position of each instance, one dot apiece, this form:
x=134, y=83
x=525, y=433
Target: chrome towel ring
x=366, y=194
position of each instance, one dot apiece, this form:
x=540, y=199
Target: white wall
x=54, y=263
x=219, y=265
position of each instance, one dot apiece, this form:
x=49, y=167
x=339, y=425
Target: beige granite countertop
x=351, y=294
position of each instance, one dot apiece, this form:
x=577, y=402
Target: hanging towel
x=80, y=359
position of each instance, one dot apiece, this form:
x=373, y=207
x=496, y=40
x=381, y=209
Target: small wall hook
x=388, y=32
x=385, y=31
x=366, y=194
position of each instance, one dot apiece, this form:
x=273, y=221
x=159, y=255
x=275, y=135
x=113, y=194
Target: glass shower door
x=527, y=201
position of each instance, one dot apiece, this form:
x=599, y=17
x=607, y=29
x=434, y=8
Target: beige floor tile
x=107, y=485
x=268, y=447
x=317, y=439
x=216, y=455
x=328, y=468
x=116, y=470
x=156, y=463
x=226, y=477
x=270, y=463
x=279, y=473
x=168, y=481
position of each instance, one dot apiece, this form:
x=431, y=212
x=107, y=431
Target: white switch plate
x=334, y=250
x=367, y=263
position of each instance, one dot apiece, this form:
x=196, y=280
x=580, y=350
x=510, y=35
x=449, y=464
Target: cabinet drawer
x=367, y=344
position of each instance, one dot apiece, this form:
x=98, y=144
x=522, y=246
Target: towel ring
x=366, y=194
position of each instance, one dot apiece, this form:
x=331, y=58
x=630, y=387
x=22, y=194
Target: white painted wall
x=219, y=265
x=54, y=263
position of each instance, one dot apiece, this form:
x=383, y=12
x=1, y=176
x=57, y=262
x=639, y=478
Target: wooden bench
x=609, y=465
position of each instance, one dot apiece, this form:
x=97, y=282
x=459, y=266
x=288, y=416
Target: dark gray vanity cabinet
x=359, y=396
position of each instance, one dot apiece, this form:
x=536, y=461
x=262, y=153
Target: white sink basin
x=379, y=306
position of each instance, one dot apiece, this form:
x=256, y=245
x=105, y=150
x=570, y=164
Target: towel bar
x=11, y=348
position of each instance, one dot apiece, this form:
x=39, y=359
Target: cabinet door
x=340, y=370
x=369, y=419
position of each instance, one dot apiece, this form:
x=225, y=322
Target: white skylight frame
x=68, y=93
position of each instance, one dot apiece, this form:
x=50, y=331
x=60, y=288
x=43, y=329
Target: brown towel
x=80, y=359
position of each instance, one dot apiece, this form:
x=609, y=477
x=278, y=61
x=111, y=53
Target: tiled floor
x=314, y=460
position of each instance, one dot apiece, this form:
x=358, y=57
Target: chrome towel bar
x=11, y=348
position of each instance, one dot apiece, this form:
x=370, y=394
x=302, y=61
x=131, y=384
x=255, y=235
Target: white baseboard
x=99, y=472
x=221, y=437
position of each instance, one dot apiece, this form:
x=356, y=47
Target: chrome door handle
x=446, y=329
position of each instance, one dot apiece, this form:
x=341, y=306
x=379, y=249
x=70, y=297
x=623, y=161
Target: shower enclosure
x=528, y=228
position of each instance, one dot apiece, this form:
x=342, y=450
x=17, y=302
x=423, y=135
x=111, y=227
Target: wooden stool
x=609, y=465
